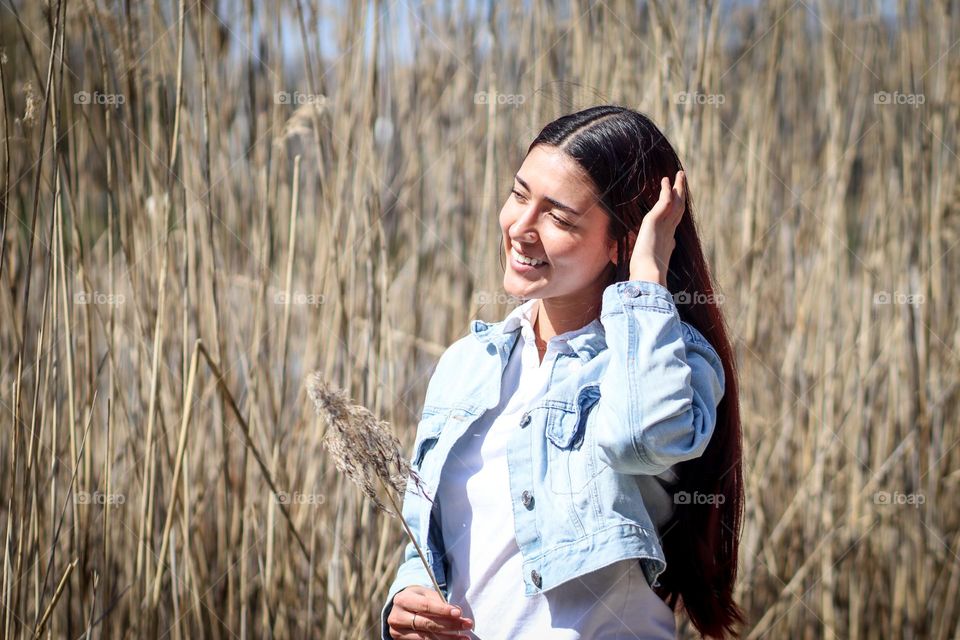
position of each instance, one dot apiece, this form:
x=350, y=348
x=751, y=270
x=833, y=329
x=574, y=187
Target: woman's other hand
x=434, y=617
x=654, y=243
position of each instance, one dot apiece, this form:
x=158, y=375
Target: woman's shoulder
x=462, y=348
x=475, y=343
x=458, y=359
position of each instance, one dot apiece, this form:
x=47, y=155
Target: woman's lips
x=521, y=267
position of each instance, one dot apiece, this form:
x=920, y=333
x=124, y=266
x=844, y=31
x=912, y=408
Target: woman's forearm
x=660, y=391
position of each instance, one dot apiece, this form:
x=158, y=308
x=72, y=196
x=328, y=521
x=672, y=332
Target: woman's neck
x=552, y=317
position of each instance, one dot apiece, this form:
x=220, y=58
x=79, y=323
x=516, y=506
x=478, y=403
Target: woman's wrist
x=650, y=275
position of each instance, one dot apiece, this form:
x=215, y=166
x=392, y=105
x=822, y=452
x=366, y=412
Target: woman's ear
x=630, y=241
x=612, y=251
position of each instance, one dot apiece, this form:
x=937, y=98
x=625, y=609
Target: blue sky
x=398, y=19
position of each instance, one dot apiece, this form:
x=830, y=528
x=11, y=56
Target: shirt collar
x=586, y=342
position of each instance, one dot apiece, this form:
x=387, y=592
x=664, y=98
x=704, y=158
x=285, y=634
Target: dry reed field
x=205, y=200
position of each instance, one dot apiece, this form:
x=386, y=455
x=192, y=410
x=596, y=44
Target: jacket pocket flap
x=428, y=431
x=565, y=424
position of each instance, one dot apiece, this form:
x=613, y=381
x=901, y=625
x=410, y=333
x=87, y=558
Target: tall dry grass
x=203, y=201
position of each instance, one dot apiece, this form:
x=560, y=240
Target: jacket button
x=535, y=577
x=527, y=498
x=632, y=290
x=525, y=420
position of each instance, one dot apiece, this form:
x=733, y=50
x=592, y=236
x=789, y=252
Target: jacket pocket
x=571, y=475
x=428, y=432
x=565, y=422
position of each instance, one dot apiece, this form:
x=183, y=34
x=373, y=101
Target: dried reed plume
x=364, y=448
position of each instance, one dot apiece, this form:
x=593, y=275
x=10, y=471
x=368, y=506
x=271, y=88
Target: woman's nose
x=524, y=227
x=524, y=237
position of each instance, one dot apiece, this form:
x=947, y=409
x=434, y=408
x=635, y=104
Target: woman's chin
x=510, y=288
x=524, y=289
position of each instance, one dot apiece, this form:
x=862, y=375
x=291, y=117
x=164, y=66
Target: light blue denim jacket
x=590, y=462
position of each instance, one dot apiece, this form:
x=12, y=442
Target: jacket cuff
x=637, y=294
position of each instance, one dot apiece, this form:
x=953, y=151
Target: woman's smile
x=522, y=263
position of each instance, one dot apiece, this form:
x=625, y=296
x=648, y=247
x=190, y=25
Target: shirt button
x=527, y=498
x=535, y=577
x=525, y=420
x=632, y=290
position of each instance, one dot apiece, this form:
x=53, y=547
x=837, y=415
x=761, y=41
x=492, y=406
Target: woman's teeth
x=519, y=257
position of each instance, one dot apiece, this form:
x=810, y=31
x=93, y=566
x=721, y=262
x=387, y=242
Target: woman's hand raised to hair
x=654, y=243
x=434, y=616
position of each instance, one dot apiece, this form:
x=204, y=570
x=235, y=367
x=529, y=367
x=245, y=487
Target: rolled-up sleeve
x=662, y=386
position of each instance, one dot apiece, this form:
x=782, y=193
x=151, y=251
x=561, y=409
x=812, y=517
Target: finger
x=662, y=205
x=426, y=604
x=424, y=629
x=422, y=601
x=671, y=201
x=442, y=624
x=419, y=634
x=666, y=191
x=679, y=201
x=675, y=190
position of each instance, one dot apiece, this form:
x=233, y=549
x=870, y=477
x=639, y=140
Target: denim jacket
x=590, y=463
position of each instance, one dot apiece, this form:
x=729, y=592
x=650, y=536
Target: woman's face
x=553, y=216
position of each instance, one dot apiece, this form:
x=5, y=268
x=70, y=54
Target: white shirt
x=476, y=518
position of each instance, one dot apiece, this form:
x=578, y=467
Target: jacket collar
x=588, y=341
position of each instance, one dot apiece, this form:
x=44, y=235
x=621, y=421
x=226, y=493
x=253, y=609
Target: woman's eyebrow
x=556, y=203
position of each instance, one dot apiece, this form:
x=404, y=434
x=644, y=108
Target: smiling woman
x=578, y=435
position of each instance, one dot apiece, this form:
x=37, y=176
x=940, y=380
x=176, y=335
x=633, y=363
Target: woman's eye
x=561, y=221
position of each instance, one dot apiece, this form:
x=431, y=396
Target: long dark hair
x=626, y=156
